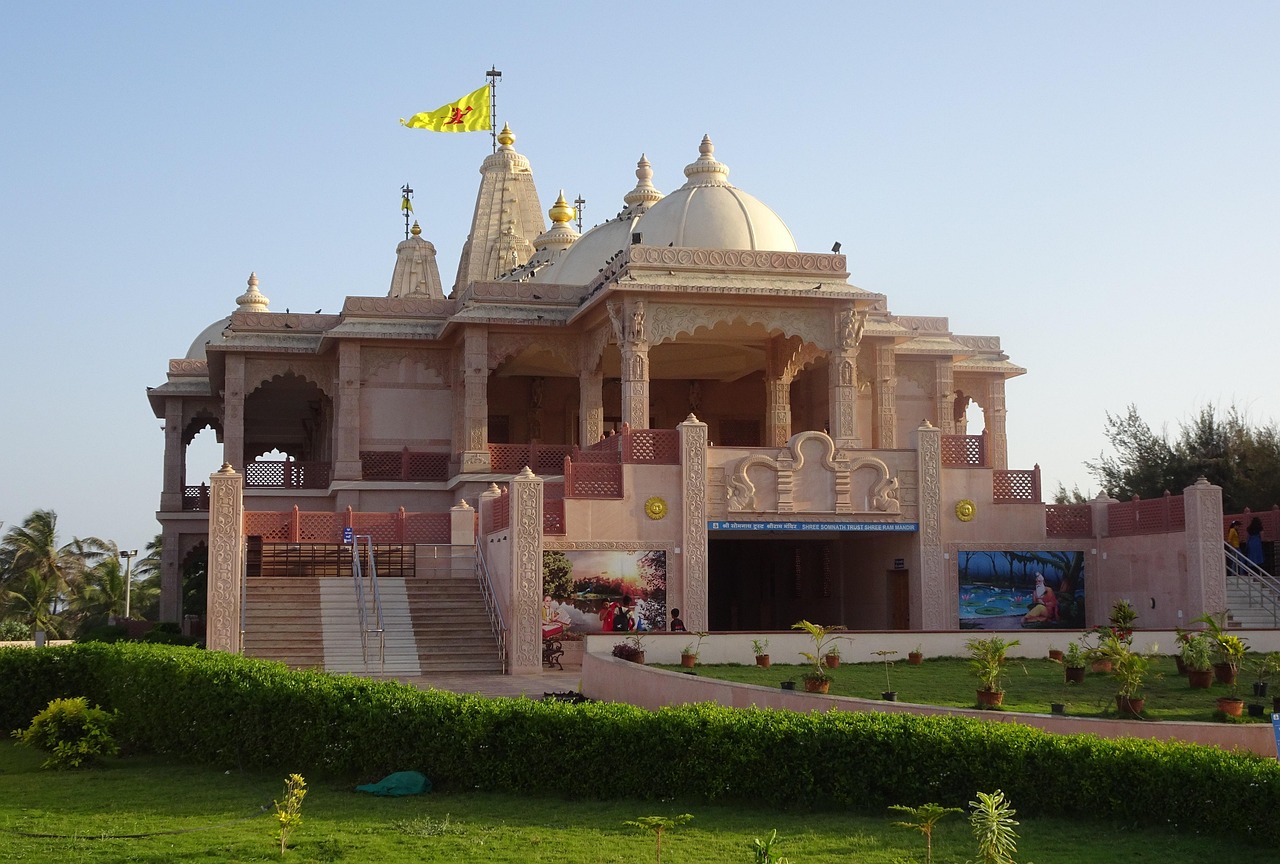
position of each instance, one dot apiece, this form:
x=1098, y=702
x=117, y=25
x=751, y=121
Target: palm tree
x=99, y=593
x=37, y=575
x=33, y=599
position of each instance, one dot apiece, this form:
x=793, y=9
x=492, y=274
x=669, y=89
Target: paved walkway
x=530, y=684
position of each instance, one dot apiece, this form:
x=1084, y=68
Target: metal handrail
x=362, y=612
x=1254, y=581
x=498, y=626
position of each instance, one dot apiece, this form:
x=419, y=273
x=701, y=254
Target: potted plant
x=1130, y=669
x=832, y=657
x=1263, y=668
x=1111, y=641
x=1073, y=664
x=915, y=656
x=817, y=680
x=1055, y=653
x=760, y=647
x=631, y=648
x=889, y=694
x=1197, y=660
x=1230, y=650
x=986, y=661
x=689, y=654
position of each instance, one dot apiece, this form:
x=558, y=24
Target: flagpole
x=406, y=206
x=494, y=77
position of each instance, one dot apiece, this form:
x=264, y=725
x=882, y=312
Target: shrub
x=74, y=734
x=14, y=631
x=104, y=633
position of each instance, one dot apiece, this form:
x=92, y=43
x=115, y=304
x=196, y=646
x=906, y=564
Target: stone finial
x=506, y=137
x=226, y=468
x=415, y=230
x=462, y=505
x=252, y=300
x=644, y=193
x=706, y=169
x=527, y=474
x=560, y=212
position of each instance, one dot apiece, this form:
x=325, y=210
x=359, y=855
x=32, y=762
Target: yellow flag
x=406, y=205
x=468, y=114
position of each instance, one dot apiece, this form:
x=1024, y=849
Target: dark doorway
x=770, y=583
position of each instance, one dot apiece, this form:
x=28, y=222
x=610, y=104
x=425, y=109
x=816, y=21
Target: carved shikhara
x=937, y=603
x=693, y=479
x=840, y=465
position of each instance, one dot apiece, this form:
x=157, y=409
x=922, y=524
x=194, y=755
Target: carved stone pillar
x=1206, y=559
x=635, y=384
x=170, y=575
x=693, y=511
x=233, y=412
x=842, y=382
x=226, y=559
x=347, y=434
x=944, y=391
x=174, y=458
x=475, y=408
x=524, y=643
x=885, y=433
x=994, y=413
x=778, y=376
x=933, y=608
x=590, y=407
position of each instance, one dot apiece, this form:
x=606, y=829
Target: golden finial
x=506, y=137
x=561, y=213
x=415, y=230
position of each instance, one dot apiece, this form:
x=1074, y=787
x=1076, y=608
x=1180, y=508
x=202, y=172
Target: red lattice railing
x=406, y=465
x=1270, y=522
x=1068, y=520
x=1162, y=515
x=651, y=446
x=1017, y=486
x=541, y=458
x=195, y=497
x=500, y=512
x=553, y=517
x=592, y=480
x=964, y=451
x=286, y=474
x=294, y=526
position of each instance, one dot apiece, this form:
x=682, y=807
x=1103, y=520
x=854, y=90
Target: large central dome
x=708, y=213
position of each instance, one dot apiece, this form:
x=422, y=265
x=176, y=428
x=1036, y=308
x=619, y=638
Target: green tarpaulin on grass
x=399, y=783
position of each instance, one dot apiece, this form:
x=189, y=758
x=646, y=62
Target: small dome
x=212, y=333
x=587, y=256
x=708, y=213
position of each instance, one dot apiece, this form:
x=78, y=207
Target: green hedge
x=234, y=712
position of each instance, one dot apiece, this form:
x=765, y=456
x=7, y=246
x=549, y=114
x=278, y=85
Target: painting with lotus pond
x=1021, y=590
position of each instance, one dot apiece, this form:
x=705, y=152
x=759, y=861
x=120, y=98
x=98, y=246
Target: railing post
x=226, y=560
x=348, y=521
x=1035, y=484
x=295, y=526
x=401, y=519
x=404, y=464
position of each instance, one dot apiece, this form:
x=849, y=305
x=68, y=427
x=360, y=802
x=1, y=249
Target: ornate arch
x=667, y=322
x=313, y=370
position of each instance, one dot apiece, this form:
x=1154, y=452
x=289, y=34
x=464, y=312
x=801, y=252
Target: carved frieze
x=374, y=361
x=738, y=260
x=418, y=306
x=669, y=321
x=189, y=368
x=825, y=494
x=258, y=371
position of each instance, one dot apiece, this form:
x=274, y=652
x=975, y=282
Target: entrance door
x=899, y=599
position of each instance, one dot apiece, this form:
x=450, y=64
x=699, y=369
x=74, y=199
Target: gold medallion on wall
x=655, y=508
x=966, y=510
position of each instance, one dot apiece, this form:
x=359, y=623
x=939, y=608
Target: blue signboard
x=346, y=535
x=894, y=527
x=1275, y=730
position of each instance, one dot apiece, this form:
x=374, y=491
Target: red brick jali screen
x=592, y=480
x=1157, y=516
x=406, y=465
x=1068, y=520
x=1018, y=486
x=651, y=447
x=321, y=527
x=964, y=451
x=541, y=458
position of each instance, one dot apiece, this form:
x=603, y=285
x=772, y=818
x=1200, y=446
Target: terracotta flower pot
x=990, y=698
x=915, y=658
x=688, y=661
x=1055, y=654
x=762, y=660
x=1130, y=706
x=1182, y=665
x=813, y=685
x=1200, y=679
x=1231, y=707
x=831, y=661
x=1101, y=666
x=1225, y=673
x=1074, y=674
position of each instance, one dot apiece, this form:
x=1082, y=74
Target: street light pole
x=128, y=578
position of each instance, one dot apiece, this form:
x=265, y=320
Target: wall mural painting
x=586, y=591
x=1021, y=590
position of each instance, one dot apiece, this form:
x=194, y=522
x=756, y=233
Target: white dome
x=708, y=213
x=212, y=333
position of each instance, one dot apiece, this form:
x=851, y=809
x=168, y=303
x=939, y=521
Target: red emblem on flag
x=456, y=117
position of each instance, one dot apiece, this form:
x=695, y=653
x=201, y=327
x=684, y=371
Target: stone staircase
x=433, y=622
x=1252, y=597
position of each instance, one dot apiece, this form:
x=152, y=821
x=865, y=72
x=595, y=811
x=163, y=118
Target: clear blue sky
x=1095, y=183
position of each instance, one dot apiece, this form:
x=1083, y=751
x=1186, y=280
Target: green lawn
x=92, y=813
x=1031, y=685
